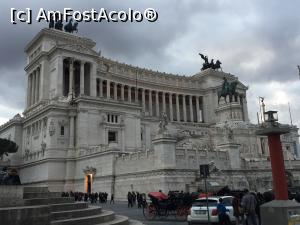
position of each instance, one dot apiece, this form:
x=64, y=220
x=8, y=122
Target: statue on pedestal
x=228, y=132
x=163, y=123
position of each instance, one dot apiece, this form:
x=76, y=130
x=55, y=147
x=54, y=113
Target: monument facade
x=94, y=124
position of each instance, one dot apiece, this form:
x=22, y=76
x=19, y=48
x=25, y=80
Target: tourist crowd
x=134, y=198
x=246, y=206
x=94, y=197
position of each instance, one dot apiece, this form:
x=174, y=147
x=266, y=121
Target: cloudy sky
x=258, y=41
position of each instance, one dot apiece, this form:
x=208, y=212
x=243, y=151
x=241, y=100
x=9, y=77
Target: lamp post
x=280, y=211
x=273, y=130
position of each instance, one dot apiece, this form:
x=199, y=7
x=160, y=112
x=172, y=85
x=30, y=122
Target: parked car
x=198, y=211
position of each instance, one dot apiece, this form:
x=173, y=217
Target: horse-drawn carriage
x=161, y=205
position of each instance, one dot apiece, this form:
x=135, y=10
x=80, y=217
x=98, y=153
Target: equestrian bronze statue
x=228, y=89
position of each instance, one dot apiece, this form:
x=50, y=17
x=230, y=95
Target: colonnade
x=178, y=106
x=33, y=87
x=70, y=87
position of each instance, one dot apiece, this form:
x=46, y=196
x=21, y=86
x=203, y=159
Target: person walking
x=236, y=204
x=112, y=199
x=222, y=215
x=249, y=204
x=129, y=199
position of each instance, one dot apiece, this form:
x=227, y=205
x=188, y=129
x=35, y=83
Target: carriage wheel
x=149, y=211
x=181, y=213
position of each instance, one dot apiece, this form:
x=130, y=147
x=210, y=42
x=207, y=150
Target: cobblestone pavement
x=137, y=214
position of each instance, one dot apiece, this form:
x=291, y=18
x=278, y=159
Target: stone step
x=49, y=201
x=36, y=189
x=68, y=206
x=28, y=195
x=25, y=215
x=135, y=222
x=90, y=211
x=119, y=220
x=104, y=217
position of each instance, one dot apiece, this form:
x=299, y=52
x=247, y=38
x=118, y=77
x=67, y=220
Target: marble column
x=101, y=88
x=42, y=79
x=150, y=103
x=71, y=139
x=157, y=103
x=108, y=89
x=171, y=106
x=60, y=75
x=29, y=90
x=93, y=77
x=136, y=95
x=115, y=91
x=82, y=77
x=38, y=84
x=197, y=109
x=129, y=94
x=184, y=108
x=71, y=77
x=122, y=92
x=33, y=87
x=164, y=101
x=245, y=110
x=177, y=108
x=143, y=100
x=191, y=108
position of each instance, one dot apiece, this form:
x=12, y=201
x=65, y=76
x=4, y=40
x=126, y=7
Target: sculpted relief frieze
x=77, y=47
x=52, y=128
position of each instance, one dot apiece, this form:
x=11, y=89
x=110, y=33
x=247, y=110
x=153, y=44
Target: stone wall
x=192, y=158
x=134, y=162
x=11, y=196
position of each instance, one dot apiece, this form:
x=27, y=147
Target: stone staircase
x=65, y=211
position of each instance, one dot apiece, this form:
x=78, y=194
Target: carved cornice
x=89, y=170
x=60, y=35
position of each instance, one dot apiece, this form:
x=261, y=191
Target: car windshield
x=202, y=202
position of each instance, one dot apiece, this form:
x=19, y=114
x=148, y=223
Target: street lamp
x=273, y=130
x=280, y=210
x=271, y=117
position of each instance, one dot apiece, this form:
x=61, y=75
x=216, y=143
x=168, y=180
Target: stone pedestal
x=164, y=152
x=234, y=154
x=232, y=111
x=279, y=212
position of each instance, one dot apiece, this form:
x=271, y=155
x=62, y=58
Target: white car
x=198, y=211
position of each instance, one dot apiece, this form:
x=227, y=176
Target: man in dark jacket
x=12, y=178
x=249, y=204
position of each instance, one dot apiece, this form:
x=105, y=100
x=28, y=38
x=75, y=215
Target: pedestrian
x=129, y=199
x=222, y=215
x=3, y=174
x=237, y=212
x=112, y=199
x=12, y=178
x=249, y=205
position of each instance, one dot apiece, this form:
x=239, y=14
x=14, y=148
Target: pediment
x=77, y=47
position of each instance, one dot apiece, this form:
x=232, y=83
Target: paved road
x=137, y=214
